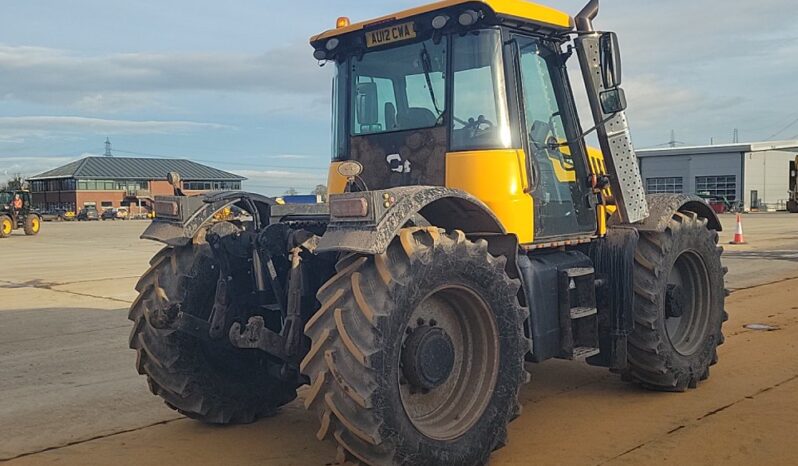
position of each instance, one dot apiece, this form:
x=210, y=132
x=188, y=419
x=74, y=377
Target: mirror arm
x=583, y=135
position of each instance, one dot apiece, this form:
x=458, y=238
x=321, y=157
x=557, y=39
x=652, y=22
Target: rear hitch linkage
x=261, y=251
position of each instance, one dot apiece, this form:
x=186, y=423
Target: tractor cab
x=470, y=95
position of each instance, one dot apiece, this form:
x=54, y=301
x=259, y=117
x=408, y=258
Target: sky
x=234, y=84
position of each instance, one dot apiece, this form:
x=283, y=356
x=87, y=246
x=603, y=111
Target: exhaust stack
x=584, y=19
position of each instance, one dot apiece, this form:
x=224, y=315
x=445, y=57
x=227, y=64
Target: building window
x=717, y=187
x=211, y=185
x=666, y=184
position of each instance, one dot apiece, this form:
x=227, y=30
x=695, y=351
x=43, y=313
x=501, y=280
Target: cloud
x=276, y=182
x=27, y=166
x=48, y=75
x=282, y=177
x=16, y=129
x=704, y=68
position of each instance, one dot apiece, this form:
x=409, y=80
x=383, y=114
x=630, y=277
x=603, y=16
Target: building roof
x=788, y=146
x=129, y=168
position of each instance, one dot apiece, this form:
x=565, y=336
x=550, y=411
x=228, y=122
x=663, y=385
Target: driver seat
x=416, y=117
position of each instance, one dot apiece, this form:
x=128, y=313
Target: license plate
x=397, y=33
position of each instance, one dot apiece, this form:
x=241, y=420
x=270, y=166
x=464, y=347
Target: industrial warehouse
x=112, y=182
x=744, y=176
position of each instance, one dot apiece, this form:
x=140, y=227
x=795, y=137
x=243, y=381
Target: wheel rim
x=687, y=303
x=6, y=227
x=35, y=225
x=456, y=404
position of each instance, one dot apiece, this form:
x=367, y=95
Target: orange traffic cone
x=738, y=234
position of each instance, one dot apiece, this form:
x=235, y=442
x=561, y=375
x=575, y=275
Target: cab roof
x=516, y=9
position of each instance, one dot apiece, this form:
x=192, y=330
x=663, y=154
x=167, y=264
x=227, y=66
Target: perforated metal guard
x=614, y=138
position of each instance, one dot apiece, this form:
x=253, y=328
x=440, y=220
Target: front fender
x=390, y=210
x=179, y=218
x=661, y=208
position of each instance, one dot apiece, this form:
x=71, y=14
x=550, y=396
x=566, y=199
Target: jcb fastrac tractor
x=469, y=231
x=11, y=218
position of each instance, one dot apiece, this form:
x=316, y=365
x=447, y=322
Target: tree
x=320, y=190
x=14, y=183
x=291, y=192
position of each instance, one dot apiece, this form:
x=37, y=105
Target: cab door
x=558, y=168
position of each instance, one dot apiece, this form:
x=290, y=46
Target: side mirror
x=610, y=57
x=367, y=104
x=613, y=101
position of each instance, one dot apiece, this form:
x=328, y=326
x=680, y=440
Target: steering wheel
x=480, y=124
x=542, y=137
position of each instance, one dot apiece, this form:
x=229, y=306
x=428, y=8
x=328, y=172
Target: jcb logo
x=397, y=164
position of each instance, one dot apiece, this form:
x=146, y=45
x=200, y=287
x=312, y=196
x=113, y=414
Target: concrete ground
x=69, y=393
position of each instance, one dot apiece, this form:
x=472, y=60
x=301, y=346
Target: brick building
x=111, y=182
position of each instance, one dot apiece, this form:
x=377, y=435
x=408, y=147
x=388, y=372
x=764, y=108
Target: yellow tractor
x=470, y=232
x=16, y=212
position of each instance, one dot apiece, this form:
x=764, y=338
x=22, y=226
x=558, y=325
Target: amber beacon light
x=342, y=22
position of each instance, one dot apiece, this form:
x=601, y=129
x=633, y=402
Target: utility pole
x=108, y=147
x=673, y=142
x=736, y=136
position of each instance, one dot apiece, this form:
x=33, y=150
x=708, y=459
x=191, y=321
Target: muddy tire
x=679, y=305
x=6, y=226
x=385, y=323
x=216, y=383
x=33, y=223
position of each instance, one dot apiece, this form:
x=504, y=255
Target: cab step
x=582, y=312
x=583, y=352
x=578, y=313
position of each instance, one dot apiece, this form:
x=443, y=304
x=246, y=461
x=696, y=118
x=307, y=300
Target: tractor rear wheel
x=418, y=353
x=679, y=305
x=211, y=382
x=6, y=226
x=32, y=224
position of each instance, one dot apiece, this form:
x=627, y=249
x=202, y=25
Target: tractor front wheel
x=418, y=353
x=33, y=223
x=679, y=305
x=6, y=226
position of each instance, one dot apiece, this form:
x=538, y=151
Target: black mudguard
x=390, y=210
x=179, y=218
x=661, y=208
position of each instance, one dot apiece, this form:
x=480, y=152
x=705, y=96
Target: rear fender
x=390, y=210
x=180, y=218
x=661, y=208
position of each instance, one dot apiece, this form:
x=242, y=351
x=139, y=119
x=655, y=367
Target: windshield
x=399, y=88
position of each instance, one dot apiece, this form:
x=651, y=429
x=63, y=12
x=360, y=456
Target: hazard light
x=342, y=22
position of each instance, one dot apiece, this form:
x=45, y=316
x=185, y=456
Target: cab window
x=479, y=107
x=561, y=207
x=383, y=94
x=400, y=88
